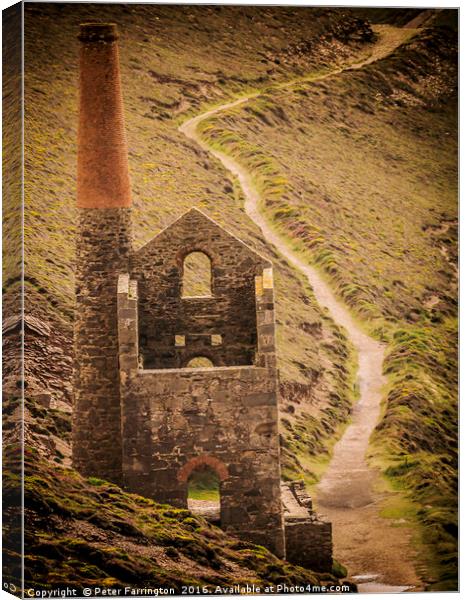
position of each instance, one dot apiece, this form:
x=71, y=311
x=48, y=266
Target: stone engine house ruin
x=146, y=416
x=175, y=418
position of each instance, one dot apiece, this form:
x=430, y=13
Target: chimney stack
x=103, y=173
x=102, y=252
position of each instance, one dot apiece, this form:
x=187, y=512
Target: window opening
x=197, y=275
x=200, y=362
x=179, y=340
x=216, y=339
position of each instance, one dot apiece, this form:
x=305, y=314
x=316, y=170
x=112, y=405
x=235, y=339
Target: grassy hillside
x=391, y=16
x=87, y=532
x=167, y=70
x=403, y=16
x=174, y=60
x=359, y=173
x=11, y=158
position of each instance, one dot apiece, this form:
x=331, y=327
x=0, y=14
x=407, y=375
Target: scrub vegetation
x=86, y=532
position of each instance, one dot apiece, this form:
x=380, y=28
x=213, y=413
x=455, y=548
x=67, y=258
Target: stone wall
x=103, y=246
x=308, y=537
x=229, y=312
x=309, y=544
x=175, y=420
x=178, y=419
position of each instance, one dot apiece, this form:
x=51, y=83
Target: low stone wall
x=309, y=544
x=308, y=538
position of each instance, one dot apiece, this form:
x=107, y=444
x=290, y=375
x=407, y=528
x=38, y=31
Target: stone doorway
x=204, y=493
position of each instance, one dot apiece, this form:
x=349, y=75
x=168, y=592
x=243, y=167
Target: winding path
x=377, y=553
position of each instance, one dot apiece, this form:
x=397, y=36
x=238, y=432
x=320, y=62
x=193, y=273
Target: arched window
x=203, y=493
x=199, y=362
x=197, y=275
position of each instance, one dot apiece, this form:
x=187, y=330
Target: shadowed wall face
x=219, y=324
x=103, y=246
x=227, y=418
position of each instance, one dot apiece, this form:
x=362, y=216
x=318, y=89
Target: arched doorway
x=203, y=493
x=203, y=476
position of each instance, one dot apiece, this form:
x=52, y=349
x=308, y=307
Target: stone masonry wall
x=175, y=420
x=309, y=544
x=308, y=537
x=229, y=312
x=103, y=247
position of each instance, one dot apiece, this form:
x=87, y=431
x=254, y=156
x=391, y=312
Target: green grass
x=204, y=494
x=204, y=485
x=362, y=181
x=109, y=537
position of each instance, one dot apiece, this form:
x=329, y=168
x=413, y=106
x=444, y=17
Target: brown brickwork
x=200, y=461
x=103, y=174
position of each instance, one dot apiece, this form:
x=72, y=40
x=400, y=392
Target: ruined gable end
x=198, y=375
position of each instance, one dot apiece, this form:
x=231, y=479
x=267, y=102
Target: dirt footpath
x=377, y=551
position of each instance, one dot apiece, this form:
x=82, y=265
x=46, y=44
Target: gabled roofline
x=194, y=209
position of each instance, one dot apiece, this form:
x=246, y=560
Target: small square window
x=179, y=340
x=217, y=339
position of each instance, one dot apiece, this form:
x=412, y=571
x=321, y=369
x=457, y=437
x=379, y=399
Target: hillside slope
x=89, y=533
x=163, y=75
x=174, y=60
x=359, y=173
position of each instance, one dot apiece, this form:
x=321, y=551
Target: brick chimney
x=103, y=174
x=102, y=253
